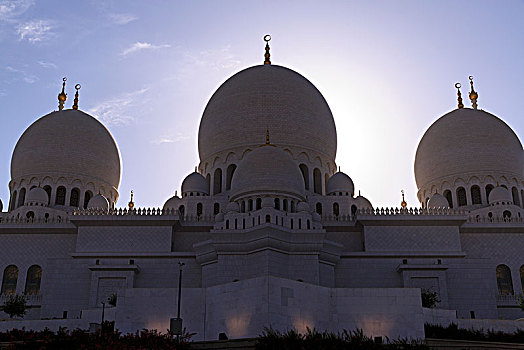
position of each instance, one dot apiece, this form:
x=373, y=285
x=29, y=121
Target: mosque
x=266, y=231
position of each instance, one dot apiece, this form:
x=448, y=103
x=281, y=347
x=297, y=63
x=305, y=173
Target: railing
x=10, y=220
x=494, y=220
x=32, y=299
x=410, y=211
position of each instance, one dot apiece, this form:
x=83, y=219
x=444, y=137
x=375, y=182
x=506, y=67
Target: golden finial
x=75, y=102
x=473, y=95
x=62, y=96
x=267, y=137
x=195, y=169
x=131, y=204
x=176, y=193
x=339, y=168
x=267, y=39
x=403, y=204
x=459, y=95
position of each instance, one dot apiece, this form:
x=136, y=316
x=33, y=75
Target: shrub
x=430, y=299
x=15, y=305
x=453, y=332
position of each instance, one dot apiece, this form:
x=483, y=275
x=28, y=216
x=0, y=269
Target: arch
x=516, y=199
x=488, y=188
x=30, y=215
x=9, y=280
x=230, y=155
x=47, y=189
x=259, y=203
x=229, y=175
x=199, y=209
x=336, y=209
x=277, y=204
x=506, y=214
x=12, y=205
x=33, y=279
x=317, y=181
x=504, y=282
x=21, y=197
x=308, y=224
x=326, y=179
x=60, y=195
x=87, y=197
x=227, y=224
x=208, y=179
x=353, y=209
x=217, y=181
x=449, y=197
x=293, y=206
x=318, y=208
x=75, y=197
x=475, y=195
x=181, y=210
x=305, y=174
x=250, y=205
x=284, y=205
x=268, y=218
x=461, y=197
x=216, y=208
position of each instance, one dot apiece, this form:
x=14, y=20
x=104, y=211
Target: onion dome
x=438, y=201
x=232, y=207
x=172, y=203
x=195, y=182
x=340, y=183
x=37, y=196
x=98, y=202
x=464, y=143
x=500, y=195
x=303, y=207
x=68, y=144
x=267, y=96
x=267, y=169
x=363, y=203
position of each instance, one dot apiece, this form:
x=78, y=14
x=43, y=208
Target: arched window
x=268, y=218
x=75, y=197
x=21, y=197
x=488, y=190
x=305, y=174
x=229, y=175
x=506, y=214
x=277, y=204
x=308, y=224
x=12, y=205
x=208, y=179
x=259, y=204
x=243, y=206
x=336, y=210
x=284, y=205
x=250, y=205
x=60, y=195
x=217, y=181
x=32, y=282
x=199, y=209
x=317, y=181
x=47, y=190
x=318, y=208
x=326, y=179
x=227, y=224
x=522, y=276
x=504, y=282
x=9, y=280
x=181, y=210
x=461, y=197
x=515, y=193
x=216, y=208
x=475, y=195
x=292, y=206
x=353, y=209
x=87, y=197
x=30, y=215
x=449, y=197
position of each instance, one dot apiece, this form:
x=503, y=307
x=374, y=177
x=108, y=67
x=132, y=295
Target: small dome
x=438, y=201
x=172, y=203
x=303, y=207
x=340, y=182
x=499, y=194
x=195, y=182
x=219, y=217
x=37, y=196
x=363, y=203
x=267, y=169
x=98, y=202
x=232, y=207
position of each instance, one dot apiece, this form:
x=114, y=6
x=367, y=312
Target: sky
x=148, y=68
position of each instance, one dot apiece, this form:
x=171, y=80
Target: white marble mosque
x=269, y=232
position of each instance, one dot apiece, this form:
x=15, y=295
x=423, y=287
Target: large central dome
x=267, y=97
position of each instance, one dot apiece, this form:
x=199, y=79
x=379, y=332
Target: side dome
x=98, y=202
x=438, y=201
x=172, y=203
x=37, y=196
x=340, y=182
x=195, y=182
x=267, y=169
x=500, y=195
x=464, y=143
x=363, y=203
x=66, y=147
x=267, y=96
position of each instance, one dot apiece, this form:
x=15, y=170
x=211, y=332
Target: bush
x=430, y=299
x=15, y=305
x=453, y=332
x=521, y=302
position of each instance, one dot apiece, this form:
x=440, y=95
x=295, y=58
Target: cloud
x=170, y=139
x=35, y=30
x=13, y=8
x=139, y=46
x=47, y=65
x=25, y=76
x=120, y=110
x=122, y=18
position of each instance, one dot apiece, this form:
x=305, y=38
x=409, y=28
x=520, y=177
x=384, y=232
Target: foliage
x=15, y=305
x=453, y=332
x=521, y=302
x=430, y=299
x=313, y=339
x=102, y=339
x=112, y=299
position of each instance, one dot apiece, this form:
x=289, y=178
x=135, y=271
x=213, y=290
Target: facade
x=269, y=232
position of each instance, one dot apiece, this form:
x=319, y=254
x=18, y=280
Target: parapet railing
x=494, y=220
x=410, y=211
x=11, y=220
x=143, y=212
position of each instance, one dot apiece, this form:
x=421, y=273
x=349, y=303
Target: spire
x=195, y=169
x=62, y=96
x=131, y=204
x=267, y=137
x=459, y=95
x=267, y=39
x=339, y=168
x=75, y=102
x=473, y=95
x=403, y=204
